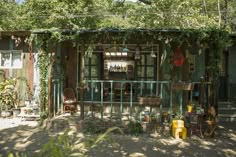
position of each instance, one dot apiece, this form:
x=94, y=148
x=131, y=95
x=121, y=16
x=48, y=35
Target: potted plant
x=178, y=121
x=8, y=96
x=178, y=127
x=190, y=108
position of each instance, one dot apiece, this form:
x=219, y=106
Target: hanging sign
x=178, y=58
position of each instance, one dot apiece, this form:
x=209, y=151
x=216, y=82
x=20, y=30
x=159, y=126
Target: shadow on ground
x=30, y=140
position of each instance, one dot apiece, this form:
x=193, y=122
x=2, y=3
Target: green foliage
x=59, y=146
x=16, y=155
x=91, y=128
x=135, y=128
x=8, y=95
x=96, y=14
x=95, y=141
x=43, y=64
x=8, y=92
x=66, y=145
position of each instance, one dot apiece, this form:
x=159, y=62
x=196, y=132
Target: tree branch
x=148, y=2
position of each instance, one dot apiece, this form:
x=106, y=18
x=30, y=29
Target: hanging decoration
x=153, y=55
x=178, y=58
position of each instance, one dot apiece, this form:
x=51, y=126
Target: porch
x=113, y=99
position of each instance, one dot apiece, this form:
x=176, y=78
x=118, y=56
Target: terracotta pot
x=147, y=118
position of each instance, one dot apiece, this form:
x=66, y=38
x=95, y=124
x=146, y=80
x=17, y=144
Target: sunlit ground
x=24, y=136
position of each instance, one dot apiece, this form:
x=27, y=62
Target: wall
x=231, y=72
x=27, y=70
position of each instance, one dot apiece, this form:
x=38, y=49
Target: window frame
x=11, y=52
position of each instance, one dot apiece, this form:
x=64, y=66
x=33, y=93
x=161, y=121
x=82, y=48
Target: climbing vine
x=43, y=43
x=193, y=40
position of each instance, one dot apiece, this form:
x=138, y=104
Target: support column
x=11, y=47
x=82, y=83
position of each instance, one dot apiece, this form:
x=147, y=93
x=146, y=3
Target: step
x=227, y=110
x=227, y=104
x=227, y=117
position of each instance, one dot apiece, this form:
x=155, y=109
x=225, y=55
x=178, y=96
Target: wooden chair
x=195, y=126
x=211, y=122
x=69, y=101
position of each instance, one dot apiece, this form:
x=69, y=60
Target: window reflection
x=11, y=58
x=16, y=60
x=6, y=60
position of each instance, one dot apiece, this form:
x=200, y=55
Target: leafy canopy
x=97, y=14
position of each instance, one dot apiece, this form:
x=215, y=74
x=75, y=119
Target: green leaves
x=96, y=14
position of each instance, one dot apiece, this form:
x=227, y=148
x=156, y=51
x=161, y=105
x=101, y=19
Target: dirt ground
x=25, y=136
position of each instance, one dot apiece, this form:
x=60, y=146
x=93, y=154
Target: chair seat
x=69, y=101
x=70, y=107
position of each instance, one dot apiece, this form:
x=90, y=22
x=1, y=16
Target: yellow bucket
x=177, y=123
x=189, y=108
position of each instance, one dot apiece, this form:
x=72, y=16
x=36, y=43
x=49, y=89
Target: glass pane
x=94, y=59
x=87, y=60
x=86, y=71
x=150, y=60
x=141, y=71
x=5, y=60
x=142, y=60
x=150, y=71
x=16, y=60
x=94, y=71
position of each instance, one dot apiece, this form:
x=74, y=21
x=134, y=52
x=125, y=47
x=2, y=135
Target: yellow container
x=179, y=133
x=178, y=129
x=189, y=108
x=177, y=123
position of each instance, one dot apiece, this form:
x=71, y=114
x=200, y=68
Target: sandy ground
x=24, y=136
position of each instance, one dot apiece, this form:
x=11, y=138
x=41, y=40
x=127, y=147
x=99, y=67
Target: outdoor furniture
x=210, y=122
x=69, y=101
x=195, y=123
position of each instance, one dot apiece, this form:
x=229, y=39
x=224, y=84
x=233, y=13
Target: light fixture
x=96, y=89
x=125, y=49
x=153, y=55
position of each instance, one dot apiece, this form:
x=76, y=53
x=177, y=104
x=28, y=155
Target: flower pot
x=16, y=112
x=7, y=113
x=182, y=86
x=35, y=111
x=149, y=101
x=189, y=108
x=147, y=118
x=177, y=123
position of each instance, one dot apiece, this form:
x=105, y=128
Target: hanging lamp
x=153, y=55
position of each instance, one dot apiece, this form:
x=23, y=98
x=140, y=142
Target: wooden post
x=201, y=95
x=82, y=69
x=49, y=96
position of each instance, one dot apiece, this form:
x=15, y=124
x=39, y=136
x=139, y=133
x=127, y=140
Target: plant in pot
x=8, y=96
x=178, y=127
x=177, y=121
